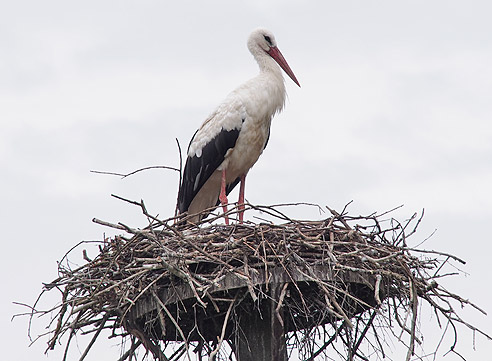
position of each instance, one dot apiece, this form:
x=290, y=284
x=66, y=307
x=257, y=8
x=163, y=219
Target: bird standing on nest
x=232, y=138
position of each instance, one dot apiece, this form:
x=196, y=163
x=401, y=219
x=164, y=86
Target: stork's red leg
x=241, y=198
x=223, y=196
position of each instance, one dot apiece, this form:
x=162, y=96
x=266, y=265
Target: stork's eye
x=268, y=40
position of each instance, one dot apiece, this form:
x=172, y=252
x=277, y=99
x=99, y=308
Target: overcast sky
x=395, y=108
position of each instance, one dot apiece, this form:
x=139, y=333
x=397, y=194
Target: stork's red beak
x=279, y=58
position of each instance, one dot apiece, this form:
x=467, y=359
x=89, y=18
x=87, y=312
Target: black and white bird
x=232, y=138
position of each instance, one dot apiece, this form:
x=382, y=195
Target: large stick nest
x=343, y=285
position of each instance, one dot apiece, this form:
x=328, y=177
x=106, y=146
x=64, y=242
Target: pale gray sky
x=394, y=109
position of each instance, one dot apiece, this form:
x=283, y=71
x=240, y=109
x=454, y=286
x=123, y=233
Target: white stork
x=232, y=138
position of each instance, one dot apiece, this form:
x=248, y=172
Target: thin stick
x=176, y=211
x=180, y=331
x=222, y=332
x=413, y=297
x=124, y=175
x=89, y=346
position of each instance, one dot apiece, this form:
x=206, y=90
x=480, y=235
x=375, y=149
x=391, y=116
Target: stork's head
x=261, y=43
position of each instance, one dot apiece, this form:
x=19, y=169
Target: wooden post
x=261, y=336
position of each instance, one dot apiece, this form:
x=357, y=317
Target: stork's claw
x=223, y=196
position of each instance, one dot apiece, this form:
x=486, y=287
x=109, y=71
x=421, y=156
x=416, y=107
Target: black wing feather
x=268, y=138
x=199, y=169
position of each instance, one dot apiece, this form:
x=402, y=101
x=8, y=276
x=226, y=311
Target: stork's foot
x=223, y=197
x=241, y=198
x=224, y=202
x=241, y=212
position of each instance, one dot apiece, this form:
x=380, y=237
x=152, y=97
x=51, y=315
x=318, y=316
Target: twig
x=376, y=289
x=124, y=175
x=414, y=302
x=94, y=338
x=222, y=332
x=180, y=331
